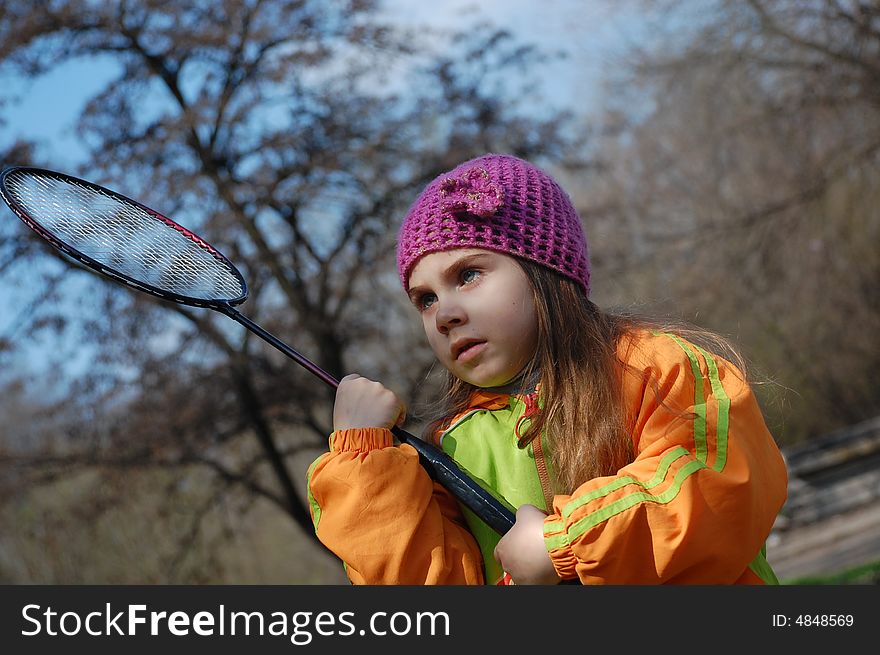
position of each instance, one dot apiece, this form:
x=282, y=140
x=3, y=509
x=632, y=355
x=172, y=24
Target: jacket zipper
x=531, y=402
x=543, y=474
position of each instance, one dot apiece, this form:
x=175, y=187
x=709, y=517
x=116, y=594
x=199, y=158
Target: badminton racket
x=139, y=247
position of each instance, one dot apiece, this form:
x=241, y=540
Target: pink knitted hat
x=500, y=203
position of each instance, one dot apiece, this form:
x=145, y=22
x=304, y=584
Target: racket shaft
x=303, y=361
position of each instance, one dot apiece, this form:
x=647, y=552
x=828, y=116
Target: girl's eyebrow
x=451, y=271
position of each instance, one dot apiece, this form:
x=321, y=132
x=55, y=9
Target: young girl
x=632, y=454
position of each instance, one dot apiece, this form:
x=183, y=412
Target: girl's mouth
x=467, y=350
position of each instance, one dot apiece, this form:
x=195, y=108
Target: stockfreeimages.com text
x=301, y=627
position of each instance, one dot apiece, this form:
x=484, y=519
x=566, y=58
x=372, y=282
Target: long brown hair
x=583, y=417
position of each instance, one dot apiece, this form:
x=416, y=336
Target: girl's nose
x=448, y=316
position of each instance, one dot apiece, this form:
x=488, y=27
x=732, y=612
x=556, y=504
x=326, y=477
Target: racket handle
x=465, y=489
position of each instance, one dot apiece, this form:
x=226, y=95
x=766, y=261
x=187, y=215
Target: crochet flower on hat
x=473, y=191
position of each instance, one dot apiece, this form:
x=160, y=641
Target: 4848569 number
x=824, y=620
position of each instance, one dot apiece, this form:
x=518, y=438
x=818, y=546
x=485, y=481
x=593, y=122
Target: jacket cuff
x=559, y=548
x=361, y=439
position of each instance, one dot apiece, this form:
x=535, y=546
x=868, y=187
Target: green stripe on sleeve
x=700, y=443
x=590, y=520
x=556, y=541
x=614, y=485
x=316, y=509
x=554, y=526
x=723, y=423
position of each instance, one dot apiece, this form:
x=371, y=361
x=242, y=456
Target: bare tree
x=744, y=192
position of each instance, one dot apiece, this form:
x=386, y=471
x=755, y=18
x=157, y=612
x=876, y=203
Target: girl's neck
x=523, y=384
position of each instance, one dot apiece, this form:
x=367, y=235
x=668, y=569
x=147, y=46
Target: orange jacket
x=694, y=507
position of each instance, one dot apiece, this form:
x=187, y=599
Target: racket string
x=125, y=237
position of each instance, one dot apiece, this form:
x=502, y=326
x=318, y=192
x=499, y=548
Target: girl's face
x=478, y=312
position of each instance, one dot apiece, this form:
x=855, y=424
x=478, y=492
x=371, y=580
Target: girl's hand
x=522, y=553
x=363, y=403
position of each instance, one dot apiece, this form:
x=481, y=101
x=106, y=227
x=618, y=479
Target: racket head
x=121, y=238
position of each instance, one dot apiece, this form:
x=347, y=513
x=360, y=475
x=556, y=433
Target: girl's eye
x=425, y=301
x=469, y=275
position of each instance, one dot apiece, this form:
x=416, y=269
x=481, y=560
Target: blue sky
x=45, y=109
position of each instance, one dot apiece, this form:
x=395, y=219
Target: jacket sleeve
x=699, y=500
x=377, y=509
